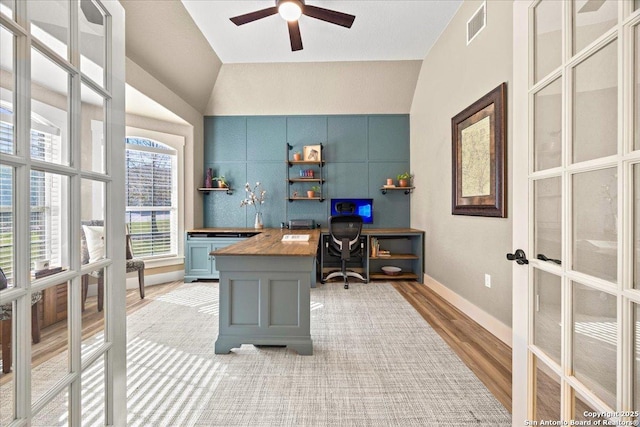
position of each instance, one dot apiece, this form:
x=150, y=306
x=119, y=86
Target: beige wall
x=193, y=133
x=314, y=88
x=461, y=249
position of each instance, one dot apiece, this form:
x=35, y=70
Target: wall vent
x=477, y=22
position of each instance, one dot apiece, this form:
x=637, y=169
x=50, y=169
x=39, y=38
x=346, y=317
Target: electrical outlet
x=487, y=280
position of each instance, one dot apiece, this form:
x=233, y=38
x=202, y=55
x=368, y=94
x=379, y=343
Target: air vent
x=477, y=23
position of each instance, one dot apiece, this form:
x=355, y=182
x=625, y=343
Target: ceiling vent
x=477, y=23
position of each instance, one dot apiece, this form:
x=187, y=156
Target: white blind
x=44, y=195
x=151, y=197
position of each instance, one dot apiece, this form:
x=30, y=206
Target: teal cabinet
x=199, y=264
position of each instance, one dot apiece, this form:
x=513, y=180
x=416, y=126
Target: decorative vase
x=403, y=182
x=208, y=181
x=389, y=181
x=258, y=221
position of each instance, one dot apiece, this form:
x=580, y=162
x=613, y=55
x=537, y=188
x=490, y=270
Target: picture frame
x=312, y=153
x=479, y=154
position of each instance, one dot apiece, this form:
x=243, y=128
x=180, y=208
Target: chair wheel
x=346, y=286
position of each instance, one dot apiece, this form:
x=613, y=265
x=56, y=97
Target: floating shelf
x=292, y=180
x=205, y=190
x=406, y=190
x=320, y=199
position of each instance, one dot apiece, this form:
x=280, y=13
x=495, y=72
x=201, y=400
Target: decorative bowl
x=391, y=270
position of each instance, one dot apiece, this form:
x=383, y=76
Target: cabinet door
x=199, y=262
x=219, y=244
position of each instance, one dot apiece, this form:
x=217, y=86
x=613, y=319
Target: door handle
x=518, y=256
x=543, y=257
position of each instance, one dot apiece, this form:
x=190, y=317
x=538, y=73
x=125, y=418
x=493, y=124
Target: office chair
x=344, y=242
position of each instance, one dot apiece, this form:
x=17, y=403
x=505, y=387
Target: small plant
x=297, y=156
x=315, y=189
x=222, y=181
x=406, y=176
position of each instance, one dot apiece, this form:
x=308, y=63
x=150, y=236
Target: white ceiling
x=383, y=30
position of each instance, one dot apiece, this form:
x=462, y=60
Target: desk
x=264, y=291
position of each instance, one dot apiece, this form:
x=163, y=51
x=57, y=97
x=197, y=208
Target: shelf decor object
x=256, y=197
x=479, y=135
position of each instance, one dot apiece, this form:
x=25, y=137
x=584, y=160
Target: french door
x=61, y=160
x=576, y=343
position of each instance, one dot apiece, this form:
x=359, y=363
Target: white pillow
x=95, y=241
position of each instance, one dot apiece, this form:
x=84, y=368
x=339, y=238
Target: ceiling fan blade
x=294, y=35
x=327, y=15
x=254, y=16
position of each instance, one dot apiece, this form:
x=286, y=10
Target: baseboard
x=154, y=279
x=484, y=319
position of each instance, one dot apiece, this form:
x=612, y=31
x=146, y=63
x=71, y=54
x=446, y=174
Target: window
x=45, y=195
x=151, y=193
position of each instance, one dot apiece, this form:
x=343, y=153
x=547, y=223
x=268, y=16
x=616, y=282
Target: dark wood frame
x=494, y=106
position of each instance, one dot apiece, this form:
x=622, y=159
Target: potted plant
x=221, y=181
x=404, y=179
x=297, y=156
x=312, y=192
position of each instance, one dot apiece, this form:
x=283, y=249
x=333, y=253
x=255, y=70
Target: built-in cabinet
x=199, y=264
x=302, y=175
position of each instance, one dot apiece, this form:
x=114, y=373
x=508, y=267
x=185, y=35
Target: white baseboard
x=154, y=279
x=484, y=319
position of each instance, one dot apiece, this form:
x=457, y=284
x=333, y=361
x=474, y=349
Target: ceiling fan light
x=290, y=10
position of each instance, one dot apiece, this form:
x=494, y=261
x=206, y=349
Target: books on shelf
x=375, y=249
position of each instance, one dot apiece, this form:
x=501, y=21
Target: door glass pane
x=7, y=384
x=592, y=18
x=7, y=77
x=594, y=341
x=93, y=395
x=92, y=247
x=6, y=222
x=547, y=219
x=92, y=41
x=50, y=23
x=595, y=105
x=50, y=357
x=595, y=240
x=49, y=220
x=546, y=315
x=547, y=17
x=92, y=145
x=54, y=413
x=583, y=411
x=547, y=393
x=636, y=227
x=50, y=111
x=637, y=87
x=547, y=132
x=7, y=7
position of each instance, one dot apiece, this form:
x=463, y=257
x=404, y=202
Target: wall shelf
x=206, y=190
x=317, y=173
x=407, y=190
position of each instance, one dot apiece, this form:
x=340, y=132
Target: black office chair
x=344, y=242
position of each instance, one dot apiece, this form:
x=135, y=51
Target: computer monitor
x=361, y=207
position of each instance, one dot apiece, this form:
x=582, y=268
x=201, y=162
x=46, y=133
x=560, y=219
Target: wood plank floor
x=484, y=354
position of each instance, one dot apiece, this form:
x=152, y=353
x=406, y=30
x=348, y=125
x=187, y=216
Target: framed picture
x=312, y=153
x=479, y=136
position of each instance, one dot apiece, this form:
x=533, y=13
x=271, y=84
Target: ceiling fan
x=290, y=10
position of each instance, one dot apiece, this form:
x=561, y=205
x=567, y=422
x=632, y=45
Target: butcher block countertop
x=269, y=243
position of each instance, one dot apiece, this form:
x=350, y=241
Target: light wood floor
x=484, y=354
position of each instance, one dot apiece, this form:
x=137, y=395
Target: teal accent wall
x=360, y=151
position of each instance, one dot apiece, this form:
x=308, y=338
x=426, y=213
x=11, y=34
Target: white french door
x=576, y=304
x=61, y=159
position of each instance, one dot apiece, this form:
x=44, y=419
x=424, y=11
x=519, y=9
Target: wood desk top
x=269, y=243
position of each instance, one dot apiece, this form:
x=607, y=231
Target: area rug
x=376, y=362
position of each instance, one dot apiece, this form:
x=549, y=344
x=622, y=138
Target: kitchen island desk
x=265, y=291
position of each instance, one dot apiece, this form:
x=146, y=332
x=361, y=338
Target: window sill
x=163, y=262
